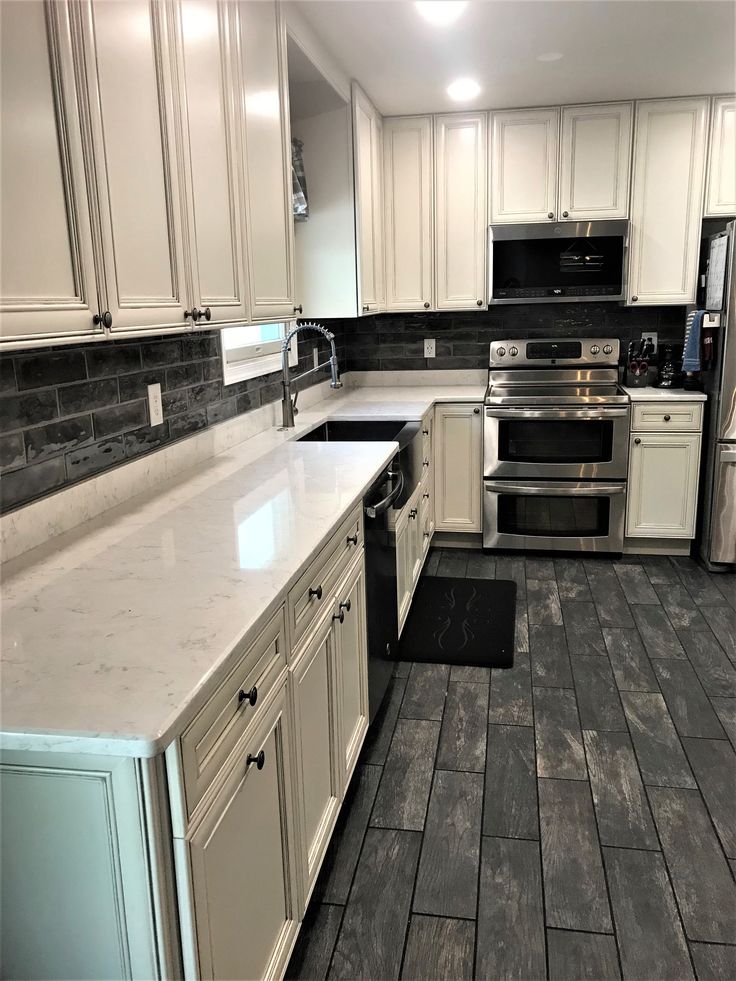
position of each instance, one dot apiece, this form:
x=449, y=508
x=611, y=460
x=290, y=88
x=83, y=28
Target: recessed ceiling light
x=441, y=12
x=550, y=56
x=463, y=89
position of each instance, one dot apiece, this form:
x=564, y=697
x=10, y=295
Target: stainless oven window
x=562, y=441
x=555, y=517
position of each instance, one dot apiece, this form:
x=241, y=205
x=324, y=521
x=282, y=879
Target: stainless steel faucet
x=288, y=406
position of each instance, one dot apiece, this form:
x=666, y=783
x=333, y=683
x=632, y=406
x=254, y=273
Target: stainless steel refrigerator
x=718, y=530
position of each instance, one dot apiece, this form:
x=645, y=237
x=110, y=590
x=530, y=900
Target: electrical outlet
x=650, y=335
x=155, y=407
x=428, y=347
x=315, y=356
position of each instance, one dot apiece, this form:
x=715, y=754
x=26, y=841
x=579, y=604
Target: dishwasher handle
x=374, y=510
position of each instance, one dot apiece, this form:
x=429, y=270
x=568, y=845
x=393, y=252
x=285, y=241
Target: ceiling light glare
x=550, y=56
x=463, y=90
x=441, y=12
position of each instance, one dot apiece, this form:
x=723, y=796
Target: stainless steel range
x=555, y=446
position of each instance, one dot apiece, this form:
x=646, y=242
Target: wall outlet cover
x=155, y=407
x=650, y=335
x=315, y=356
x=429, y=347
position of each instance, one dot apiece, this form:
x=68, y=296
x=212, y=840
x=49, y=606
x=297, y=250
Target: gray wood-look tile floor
x=573, y=817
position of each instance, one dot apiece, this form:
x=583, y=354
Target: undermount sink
x=362, y=431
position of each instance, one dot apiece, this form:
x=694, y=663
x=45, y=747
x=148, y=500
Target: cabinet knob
x=426, y=534
x=426, y=496
x=206, y=313
x=317, y=591
x=425, y=463
x=425, y=432
x=476, y=412
x=413, y=513
x=550, y=214
x=426, y=304
x=365, y=308
x=194, y=313
x=565, y=214
x=634, y=299
x=251, y=697
x=103, y=318
x=300, y=310
x=637, y=441
x=667, y=418
x=352, y=539
x=346, y=606
x=340, y=616
x=260, y=760
x=479, y=303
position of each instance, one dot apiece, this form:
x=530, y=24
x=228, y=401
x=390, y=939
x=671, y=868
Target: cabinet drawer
x=662, y=417
x=211, y=736
x=312, y=591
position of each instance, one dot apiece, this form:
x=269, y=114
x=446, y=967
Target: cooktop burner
x=531, y=395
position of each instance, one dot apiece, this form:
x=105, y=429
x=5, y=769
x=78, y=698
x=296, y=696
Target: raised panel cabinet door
x=242, y=858
x=720, y=194
x=315, y=690
x=524, y=148
x=48, y=280
x=404, y=566
x=407, y=163
x=206, y=32
x=129, y=69
x=663, y=485
x=595, y=161
x=458, y=450
x=352, y=656
x=667, y=200
x=460, y=210
x=267, y=161
x=367, y=141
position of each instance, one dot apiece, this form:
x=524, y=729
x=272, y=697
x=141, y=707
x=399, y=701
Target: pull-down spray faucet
x=288, y=405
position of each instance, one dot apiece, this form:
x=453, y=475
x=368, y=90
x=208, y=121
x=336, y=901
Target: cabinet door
x=666, y=203
x=206, y=32
x=315, y=688
x=129, y=73
x=524, y=165
x=416, y=551
x=458, y=450
x=407, y=182
x=460, y=210
x=367, y=137
x=663, y=485
x=595, y=156
x=352, y=657
x=242, y=857
x=720, y=195
x=267, y=163
x=404, y=568
x=48, y=281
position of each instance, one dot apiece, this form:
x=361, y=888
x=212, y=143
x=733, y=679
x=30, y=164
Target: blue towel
x=691, y=351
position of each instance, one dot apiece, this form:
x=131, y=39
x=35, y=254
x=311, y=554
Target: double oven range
x=555, y=446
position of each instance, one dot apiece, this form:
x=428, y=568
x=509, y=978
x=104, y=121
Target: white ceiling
x=613, y=49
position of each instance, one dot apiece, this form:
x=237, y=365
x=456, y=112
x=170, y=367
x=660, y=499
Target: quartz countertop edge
x=162, y=583
x=651, y=394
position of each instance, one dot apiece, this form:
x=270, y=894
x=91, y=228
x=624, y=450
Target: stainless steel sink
x=363, y=431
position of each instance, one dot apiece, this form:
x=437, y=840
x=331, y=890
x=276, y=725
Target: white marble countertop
x=115, y=633
x=651, y=394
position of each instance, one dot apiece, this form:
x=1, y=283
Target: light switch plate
x=155, y=406
x=428, y=347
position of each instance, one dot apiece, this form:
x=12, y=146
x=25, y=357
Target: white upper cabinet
x=524, y=165
x=208, y=72
x=129, y=74
x=267, y=163
x=367, y=148
x=720, y=195
x=667, y=200
x=595, y=153
x=48, y=283
x=460, y=210
x=407, y=161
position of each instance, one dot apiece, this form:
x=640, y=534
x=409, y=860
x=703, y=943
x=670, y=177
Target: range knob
x=594, y=349
x=500, y=351
x=608, y=349
x=513, y=351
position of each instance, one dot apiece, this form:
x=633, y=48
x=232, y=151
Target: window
x=253, y=349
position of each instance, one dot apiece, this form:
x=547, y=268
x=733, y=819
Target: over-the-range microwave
x=568, y=261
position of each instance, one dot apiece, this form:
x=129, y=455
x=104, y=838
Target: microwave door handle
x=530, y=490
x=492, y=412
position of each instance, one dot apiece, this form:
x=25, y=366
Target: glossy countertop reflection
x=113, y=632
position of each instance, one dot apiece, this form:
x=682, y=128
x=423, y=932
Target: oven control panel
x=555, y=351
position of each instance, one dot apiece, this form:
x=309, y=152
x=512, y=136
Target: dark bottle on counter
x=668, y=370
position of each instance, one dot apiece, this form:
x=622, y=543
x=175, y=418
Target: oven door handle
x=544, y=490
x=492, y=412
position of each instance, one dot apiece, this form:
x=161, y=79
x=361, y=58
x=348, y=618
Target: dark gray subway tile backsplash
x=69, y=413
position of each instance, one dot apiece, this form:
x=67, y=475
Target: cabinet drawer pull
x=103, y=318
x=637, y=441
x=340, y=616
x=194, y=313
x=425, y=432
x=346, y=606
x=426, y=496
x=353, y=539
x=413, y=513
x=316, y=592
x=251, y=697
x=206, y=313
x=259, y=760
x=667, y=418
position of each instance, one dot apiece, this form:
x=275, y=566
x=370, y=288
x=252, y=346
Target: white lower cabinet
x=352, y=658
x=663, y=485
x=404, y=567
x=457, y=472
x=241, y=854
